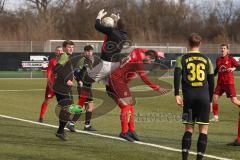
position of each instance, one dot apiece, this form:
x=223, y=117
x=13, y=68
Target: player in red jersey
x=225, y=65
x=119, y=90
x=49, y=93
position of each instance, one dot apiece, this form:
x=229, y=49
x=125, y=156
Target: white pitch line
x=20, y=90
x=31, y=90
x=22, y=78
x=116, y=138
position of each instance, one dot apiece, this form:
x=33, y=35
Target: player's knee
x=90, y=106
x=203, y=129
x=235, y=100
x=126, y=101
x=215, y=99
x=189, y=128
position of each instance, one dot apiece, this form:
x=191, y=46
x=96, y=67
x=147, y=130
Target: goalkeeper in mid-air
x=115, y=37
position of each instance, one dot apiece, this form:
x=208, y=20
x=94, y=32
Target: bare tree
x=2, y=5
x=40, y=5
x=225, y=11
x=43, y=6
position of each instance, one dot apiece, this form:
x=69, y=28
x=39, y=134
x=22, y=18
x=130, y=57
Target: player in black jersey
x=115, y=38
x=195, y=70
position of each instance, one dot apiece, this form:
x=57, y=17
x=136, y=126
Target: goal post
x=79, y=45
x=50, y=46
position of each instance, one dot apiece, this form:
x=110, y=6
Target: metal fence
x=128, y=46
x=49, y=46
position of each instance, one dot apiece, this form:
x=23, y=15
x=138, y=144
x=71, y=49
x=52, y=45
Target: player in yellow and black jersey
x=195, y=70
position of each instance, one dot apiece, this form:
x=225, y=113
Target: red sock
x=124, y=119
x=215, y=109
x=131, y=121
x=238, y=138
x=43, y=108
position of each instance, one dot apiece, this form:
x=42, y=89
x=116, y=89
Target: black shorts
x=196, y=111
x=61, y=110
x=90, y=96
x=64, y=99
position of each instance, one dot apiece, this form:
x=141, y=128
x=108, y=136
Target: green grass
x=25, y=141
x=21, y=74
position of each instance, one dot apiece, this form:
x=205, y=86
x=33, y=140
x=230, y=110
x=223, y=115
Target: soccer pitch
x=22, y=98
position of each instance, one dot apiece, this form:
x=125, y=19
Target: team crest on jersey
x=226, y=62
x=222, y=68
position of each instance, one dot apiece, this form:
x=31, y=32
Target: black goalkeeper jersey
x=114, y=41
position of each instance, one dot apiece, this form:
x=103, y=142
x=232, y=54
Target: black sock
x=88, y=117
x=186, y=144
x=61, y=127
x=76, y=117
x=201, y=145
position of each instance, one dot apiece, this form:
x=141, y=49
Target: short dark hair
x=58, y=47
x=121, y=24
x=88, y=48
x=224, y=44
x=67, y=42
x=194, y=40
x=151, y=53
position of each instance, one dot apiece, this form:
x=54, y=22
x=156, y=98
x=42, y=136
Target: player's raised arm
x=99, y=26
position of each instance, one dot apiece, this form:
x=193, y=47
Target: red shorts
x=49, y=93
x=228, y=88
x=120, y=90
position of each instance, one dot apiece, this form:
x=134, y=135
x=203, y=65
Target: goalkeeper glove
x=101, y=14
x=115, y=17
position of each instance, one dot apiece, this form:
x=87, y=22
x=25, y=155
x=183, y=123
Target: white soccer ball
x=108, y=22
